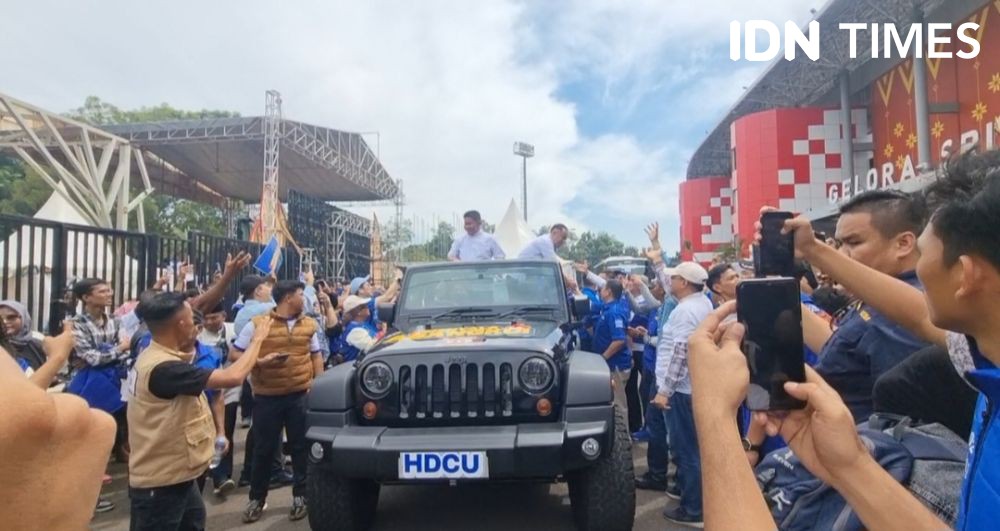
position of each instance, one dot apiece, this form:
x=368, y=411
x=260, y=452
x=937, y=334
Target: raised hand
x=62, y=345
x=653, y=232
x=235, y=264
x=799, y=226
x=582, y=267
x=719, y=373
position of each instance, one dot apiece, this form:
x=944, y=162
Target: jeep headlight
x=535, y=375
x=376, y=379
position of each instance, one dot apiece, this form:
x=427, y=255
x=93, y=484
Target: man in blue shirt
x=256, y=292
x=610, y=337
x=475, y=244
x=878, y=229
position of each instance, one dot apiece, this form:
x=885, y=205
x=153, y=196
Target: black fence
x=41, y=260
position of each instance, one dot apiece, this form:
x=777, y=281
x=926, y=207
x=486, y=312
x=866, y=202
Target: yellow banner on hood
x=471, y=331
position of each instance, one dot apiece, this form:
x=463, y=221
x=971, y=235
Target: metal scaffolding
x=340, y=225
x=76, y=159
x=328, y=164
x=269, y=206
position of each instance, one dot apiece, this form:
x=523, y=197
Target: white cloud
x=449, y=85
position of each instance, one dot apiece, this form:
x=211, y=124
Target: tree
x=396, y=234
x=165, y=215
x=730, y=252
x=98, y=112
x=434, y=249
x=170, y=216
x=22, y=190
x=594, y=247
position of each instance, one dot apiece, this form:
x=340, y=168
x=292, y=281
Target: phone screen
x=777, y=251
x=771, y=311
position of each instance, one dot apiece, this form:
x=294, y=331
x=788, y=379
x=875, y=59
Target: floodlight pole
x=525, y=151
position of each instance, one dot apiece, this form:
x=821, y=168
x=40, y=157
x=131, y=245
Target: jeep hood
x=534, y=336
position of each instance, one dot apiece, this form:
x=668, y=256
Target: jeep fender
x=333, y=390
x=588, y=380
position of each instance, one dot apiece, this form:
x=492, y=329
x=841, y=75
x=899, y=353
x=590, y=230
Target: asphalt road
x=479, y=507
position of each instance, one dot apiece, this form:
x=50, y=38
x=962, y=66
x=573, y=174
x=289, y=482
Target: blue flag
x=270, y=258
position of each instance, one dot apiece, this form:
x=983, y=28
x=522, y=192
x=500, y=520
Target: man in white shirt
x=475, y=244
x=544, y=247
x=685, y=282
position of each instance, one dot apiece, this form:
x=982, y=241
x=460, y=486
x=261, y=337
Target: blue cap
x=357, y=283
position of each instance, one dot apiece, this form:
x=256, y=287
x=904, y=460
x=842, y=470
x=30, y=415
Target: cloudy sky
x=615, y=95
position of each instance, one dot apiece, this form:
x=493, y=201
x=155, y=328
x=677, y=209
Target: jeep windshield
x=483, y=290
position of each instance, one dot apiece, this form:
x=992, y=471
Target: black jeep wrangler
x=478, y=380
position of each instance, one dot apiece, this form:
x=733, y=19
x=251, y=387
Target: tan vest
x=171, y=440
x=296, y=373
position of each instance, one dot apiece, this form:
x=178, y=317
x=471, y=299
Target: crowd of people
x=175, y=369
x=898, y=321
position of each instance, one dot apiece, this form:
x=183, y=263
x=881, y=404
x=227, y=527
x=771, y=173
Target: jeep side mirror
x=387, y=313
x=581, y=306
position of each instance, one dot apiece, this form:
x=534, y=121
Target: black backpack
x=928, y=459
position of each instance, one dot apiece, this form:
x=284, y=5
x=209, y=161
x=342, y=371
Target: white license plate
x=443, y=465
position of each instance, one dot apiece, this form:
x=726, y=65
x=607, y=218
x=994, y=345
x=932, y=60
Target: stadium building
x=784, y=143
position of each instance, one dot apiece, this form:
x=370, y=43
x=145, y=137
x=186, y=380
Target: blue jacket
x=980, y=502
x=865, y=346
x=649, y=351
x=610, y=327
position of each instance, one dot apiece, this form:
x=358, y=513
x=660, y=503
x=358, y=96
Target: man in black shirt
x=171, y=432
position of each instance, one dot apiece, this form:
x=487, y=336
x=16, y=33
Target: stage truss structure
x=90, y=168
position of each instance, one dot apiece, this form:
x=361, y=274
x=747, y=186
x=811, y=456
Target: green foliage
x=22, y=191
x=98, y=112
x=730, y=252
x=434, y=249
x=170, y=216
x=594, y=247
x=396, y=235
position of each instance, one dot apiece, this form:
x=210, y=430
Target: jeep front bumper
x=520, y=451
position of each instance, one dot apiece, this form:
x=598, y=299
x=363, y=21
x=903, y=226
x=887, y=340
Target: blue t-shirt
x=611, y=327
x=207, y=357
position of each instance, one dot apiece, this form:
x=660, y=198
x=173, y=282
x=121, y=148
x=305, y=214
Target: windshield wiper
x=460, y=311
x=521, y=310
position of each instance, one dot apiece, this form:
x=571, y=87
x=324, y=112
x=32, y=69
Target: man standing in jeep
x=291, y=357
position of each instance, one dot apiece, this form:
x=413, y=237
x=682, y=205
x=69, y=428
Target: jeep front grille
x=456, y=391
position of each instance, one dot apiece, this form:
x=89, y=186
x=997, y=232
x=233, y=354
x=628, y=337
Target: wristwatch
x=750, y=447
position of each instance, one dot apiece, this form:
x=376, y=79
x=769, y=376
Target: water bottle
x=220, y=450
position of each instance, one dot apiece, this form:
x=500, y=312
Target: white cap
x=353, y=302
x=690, y=271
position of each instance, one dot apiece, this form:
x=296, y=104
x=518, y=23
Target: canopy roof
x=226, y=155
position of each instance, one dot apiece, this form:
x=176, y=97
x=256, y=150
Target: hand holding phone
x=771, y=311
x=776, y=253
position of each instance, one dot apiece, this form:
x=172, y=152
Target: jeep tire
x=340, y=504
x=603, y=496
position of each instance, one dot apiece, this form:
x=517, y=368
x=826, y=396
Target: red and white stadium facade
x=791, y=157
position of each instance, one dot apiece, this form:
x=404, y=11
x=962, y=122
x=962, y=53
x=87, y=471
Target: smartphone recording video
x=776, y=252
x=771, y=311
